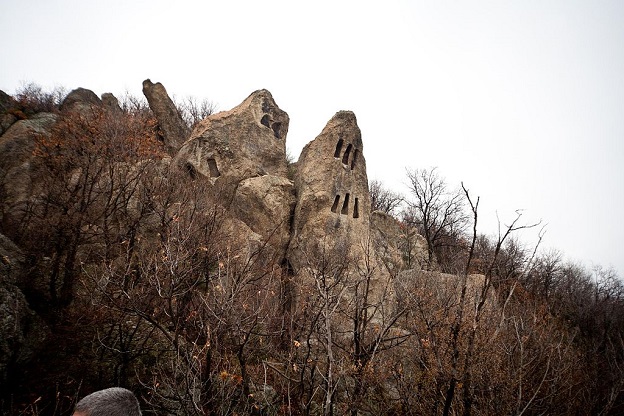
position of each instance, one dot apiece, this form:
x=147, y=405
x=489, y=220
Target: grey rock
x=173, y=129
x=17, y=144
x=81, y=100
x=265, y=204
x=231, y=146
x=110, y=102
x=7, y=103
x=22, y=331
x=332, y=189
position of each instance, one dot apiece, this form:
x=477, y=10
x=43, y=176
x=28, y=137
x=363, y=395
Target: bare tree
x=383, y=199
x=193, y=110
x=436, y=211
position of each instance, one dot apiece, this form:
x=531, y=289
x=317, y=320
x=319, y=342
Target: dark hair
x=114, y=401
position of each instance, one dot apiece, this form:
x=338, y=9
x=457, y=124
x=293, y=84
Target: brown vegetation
x=145, y=284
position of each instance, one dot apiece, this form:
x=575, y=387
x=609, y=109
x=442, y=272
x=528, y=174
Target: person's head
x=115, y=401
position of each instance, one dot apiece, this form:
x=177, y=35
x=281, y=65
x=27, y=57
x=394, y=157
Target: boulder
x=81, y=100
x=231, y=146
x=110, y=102
x=6, y=102
x=173, y=129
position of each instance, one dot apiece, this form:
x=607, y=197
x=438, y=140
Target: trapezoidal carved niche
x=346, y=156
x=334, y=207
x=212, y=167
x=345, y=205
x=275, y=126
x=338, y=148
x=347, y=153
x=344, y=210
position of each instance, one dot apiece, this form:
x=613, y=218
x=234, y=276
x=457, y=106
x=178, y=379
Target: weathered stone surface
x=173, y=129
x=332, y=190
x=230, y=146
x=22, y=332
x=110, y=102
x=332, y=220
x=12, y=261
x=265, y=204
x=81, y=100
x=6, y=119
x=16, y=148
x=6, y=101
x=399, y=247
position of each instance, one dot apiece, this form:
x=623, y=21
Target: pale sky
x=522, y=100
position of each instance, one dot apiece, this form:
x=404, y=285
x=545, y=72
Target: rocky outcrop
x=332, y=191
x=332, y=221
x=265, y=204
x=22, y=332
x=173, y=129
x=16, y=147
x=81, y=100
x=398, y=246
x=231, y=146
x=242, y=152
x=7, y=103
x=241, y=155
x=110, y=102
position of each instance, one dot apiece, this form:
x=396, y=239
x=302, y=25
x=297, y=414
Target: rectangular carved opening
x=334, y=207
x=355, y=155
x=347, y=153
x=356, y=209
x=345, y=205
x=338, y=148
x=214, y=170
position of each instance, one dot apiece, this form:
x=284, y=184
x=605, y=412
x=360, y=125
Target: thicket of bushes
x=144, y=285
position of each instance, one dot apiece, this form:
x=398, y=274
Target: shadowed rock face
x=265, y=204
x=174, y=130
x=22, y=332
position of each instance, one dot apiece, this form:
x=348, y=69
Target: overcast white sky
x=522, y=100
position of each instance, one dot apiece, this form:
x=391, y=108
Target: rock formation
x=16, y=147
x=245, y=142
x=332, y=191
x=397, y=246
x=173, y=129
x=320, y=203
x=243, y=153
x=269, y=213
x=80, y=100
x=7, y=103
x=110, y=102
x=22, y=332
